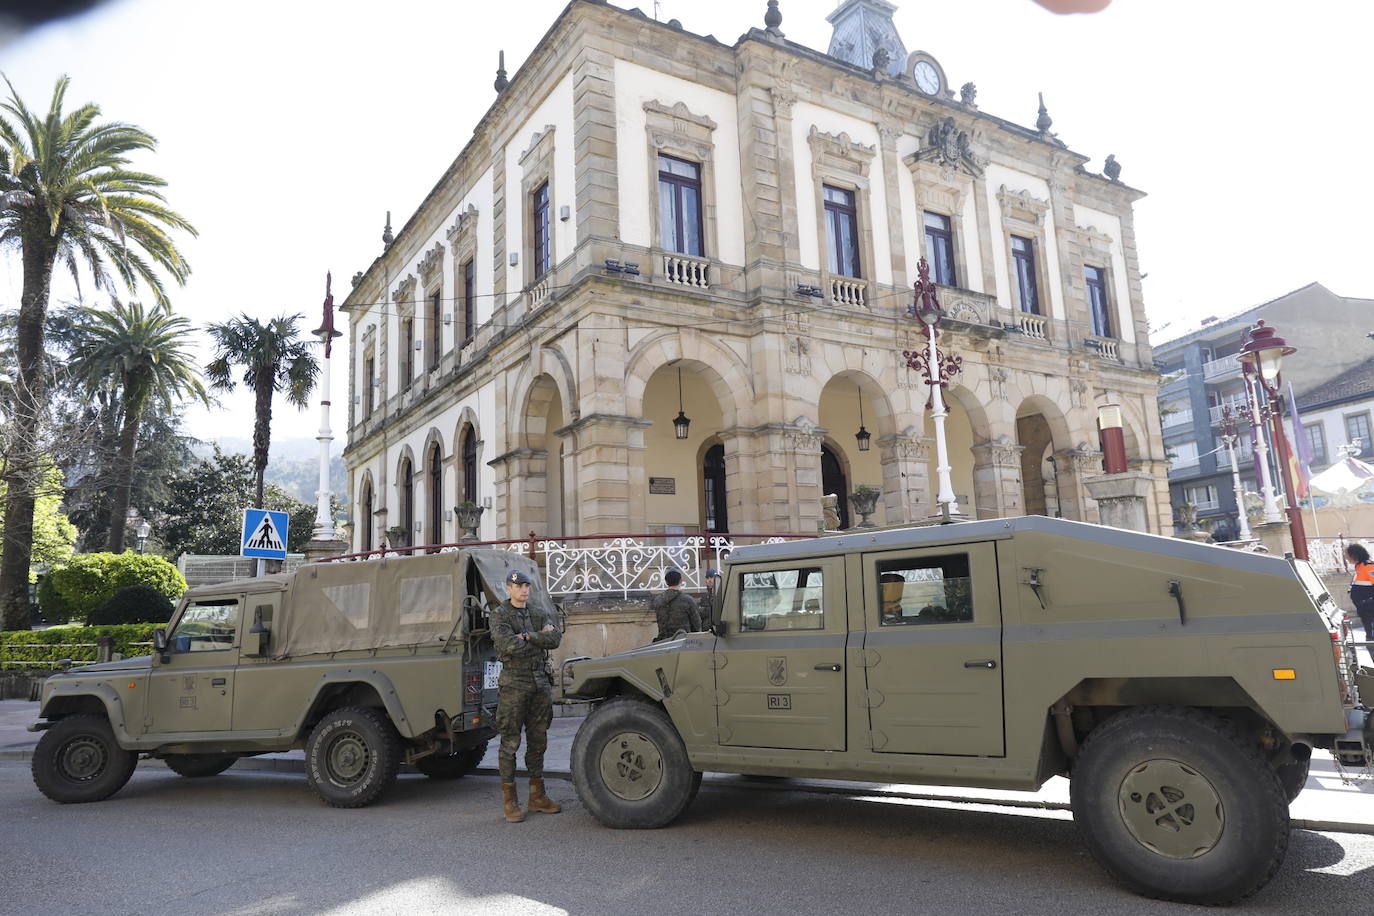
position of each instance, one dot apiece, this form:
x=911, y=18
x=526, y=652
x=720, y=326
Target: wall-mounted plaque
x=664, y=485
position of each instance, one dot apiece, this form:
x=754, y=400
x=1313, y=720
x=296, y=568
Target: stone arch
x=723, y=370
x=430, y=508
x=405, y=498
x=1042, y=431
x=365, y=508
x=536, y=475
x=551, y=364
x=468, y=425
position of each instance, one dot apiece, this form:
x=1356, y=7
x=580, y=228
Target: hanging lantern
x=681, y=423
x=864, y=437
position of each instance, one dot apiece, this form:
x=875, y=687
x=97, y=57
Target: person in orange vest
x=1362, y=587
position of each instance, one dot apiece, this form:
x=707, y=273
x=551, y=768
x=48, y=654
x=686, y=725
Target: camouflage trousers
x=518, y=707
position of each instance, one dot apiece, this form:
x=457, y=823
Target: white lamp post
x=324, y=520
x=1262, y=475
x=1231, y=440
x=938, y=369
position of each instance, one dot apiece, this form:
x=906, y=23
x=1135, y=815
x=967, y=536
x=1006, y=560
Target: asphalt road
x=255, y=842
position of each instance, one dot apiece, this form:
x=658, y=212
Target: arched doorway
x=834, y=480
x=365, y=519
x=539, y=483
x=407, y=484
x=716, y=515
x=435, y=471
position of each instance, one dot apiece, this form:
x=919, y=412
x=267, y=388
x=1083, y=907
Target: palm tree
x=144, y=354
x=273, y=359
x=68, y=196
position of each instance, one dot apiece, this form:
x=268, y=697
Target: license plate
x=490, y=674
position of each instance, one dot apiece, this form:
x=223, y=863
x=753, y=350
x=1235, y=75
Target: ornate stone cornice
x=804, y=436
x=1082, y=457
x=908, y=445
x=537, y=142
x=783, y=100
x=1000, y=452
x=839, y=152
x=432, y=262
x=463, y=227
x=678, y=112
x=404, y=294
x=949, y=147
x=1022, y=205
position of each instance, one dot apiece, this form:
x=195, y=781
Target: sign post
x=264, y=535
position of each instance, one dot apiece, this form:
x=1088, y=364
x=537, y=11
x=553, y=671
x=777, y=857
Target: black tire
x=452, y=766
x=352, y=757
x=197, y=766
x=1293, y=777
x=1176, y=805
x=78, y=760
x=630, y=767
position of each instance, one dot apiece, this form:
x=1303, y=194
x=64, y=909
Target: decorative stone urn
x=864, y=499
x=469, y=516
x=396, y=537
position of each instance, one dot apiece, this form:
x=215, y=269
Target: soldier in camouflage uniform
x=674, y=610
x=523, y=636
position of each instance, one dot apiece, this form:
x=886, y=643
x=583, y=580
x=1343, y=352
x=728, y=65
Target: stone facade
x=569, y=379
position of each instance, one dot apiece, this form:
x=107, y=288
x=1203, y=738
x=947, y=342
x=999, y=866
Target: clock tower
x=861, y=28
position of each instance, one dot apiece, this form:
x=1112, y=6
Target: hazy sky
x=288, y=129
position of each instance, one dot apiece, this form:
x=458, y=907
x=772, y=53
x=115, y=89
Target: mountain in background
x=292, y=464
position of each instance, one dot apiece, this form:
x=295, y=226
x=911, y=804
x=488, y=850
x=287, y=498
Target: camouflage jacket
x=524, y=663
x=676, y=611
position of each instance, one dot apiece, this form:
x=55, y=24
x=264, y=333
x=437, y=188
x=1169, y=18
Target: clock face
x=927, y=77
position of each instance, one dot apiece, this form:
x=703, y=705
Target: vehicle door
x=191, y=686
x=933, y=651
x=260, y=684
x=780, y=678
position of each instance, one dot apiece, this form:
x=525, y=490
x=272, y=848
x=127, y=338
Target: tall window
x=469, y=301
x=679, y=205
x=407, y=351
x=1096, y=280
x=370, y=385
x=436, y=495
x=436, y=318
x=469, y=448
x=407, y=504
x=1357, y=427
x=713, y=475
x=940, y=246
x=539, y=225
x=1316, y=441
x=1184, y=454
x=842, y=227
x=1023, y=256
x=365, y=522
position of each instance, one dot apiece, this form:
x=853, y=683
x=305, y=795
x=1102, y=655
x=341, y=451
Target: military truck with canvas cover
x=364, y=664
x=1180, y=686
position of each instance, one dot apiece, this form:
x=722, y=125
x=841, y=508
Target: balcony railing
x=1221, y=368
x=1033, y=326
x=1182, y=417
x=1238, y=410
x=539, y=291
x=616, y=565
x=848, y=291
x=685, y=271
x=1106, y=347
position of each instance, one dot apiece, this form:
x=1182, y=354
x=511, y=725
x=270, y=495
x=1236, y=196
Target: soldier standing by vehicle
x=523, y=636
x=674, y=610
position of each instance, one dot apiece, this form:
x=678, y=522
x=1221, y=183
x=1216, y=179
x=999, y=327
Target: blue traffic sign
x=264, y=534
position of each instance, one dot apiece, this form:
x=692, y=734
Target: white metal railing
x=1219, y=367
x=1238, y=410
x=1327, y=555
x=686, y=271
x=848, y=291
x=1183, y=417
x=1033, y=326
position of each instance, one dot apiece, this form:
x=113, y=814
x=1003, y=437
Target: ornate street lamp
x=938, y=367
x=141, y=535
x=1263, y=480
x=324, y=521
x=1264, y=350
x=1231, y=439
x=864, y=437
x=680, y=423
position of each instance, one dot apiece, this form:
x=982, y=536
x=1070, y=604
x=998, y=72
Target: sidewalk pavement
x=1330, y=800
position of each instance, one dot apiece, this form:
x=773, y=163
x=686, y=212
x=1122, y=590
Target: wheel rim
x=83, y=758
x=631, y=766
x=1171, y=809
x=348, y=758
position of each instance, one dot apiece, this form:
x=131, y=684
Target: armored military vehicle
x=1181, y=687
x=364, y=664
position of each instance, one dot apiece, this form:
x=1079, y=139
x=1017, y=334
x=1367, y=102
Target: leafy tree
x=54, y=536
x=273, y=358
x=144, y=354
x=67, y=195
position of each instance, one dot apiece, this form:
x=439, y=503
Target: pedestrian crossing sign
x=264, y=534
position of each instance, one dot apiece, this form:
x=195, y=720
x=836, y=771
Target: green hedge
x=91, y=579
x=42, y=648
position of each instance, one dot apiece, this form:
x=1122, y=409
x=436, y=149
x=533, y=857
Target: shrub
x=133, y=604
x=41, y=648
x=51, y=605
x=91, y=579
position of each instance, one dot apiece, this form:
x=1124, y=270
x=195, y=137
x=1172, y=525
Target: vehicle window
x=782, y=599
x=206, y=628
x=925, y=591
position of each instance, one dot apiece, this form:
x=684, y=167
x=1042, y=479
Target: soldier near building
x=674, y=610
x=523, y=636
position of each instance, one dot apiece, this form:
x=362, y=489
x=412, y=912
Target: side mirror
x=719, y=628
x=160, y=639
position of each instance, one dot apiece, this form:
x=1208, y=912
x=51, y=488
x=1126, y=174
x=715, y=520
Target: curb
x=297, y=765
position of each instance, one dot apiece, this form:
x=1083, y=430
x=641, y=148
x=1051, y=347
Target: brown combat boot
x=539, y=801
x=510, y=802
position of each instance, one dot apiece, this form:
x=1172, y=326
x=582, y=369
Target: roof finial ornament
x=772, y=19
x=1111, y=168
x=387, y=237
x=501, y=81
x=968, y=94
x=1044, y=122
